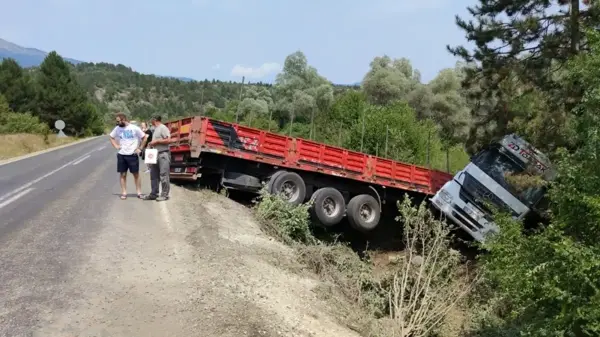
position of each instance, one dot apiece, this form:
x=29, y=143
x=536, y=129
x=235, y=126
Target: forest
x=534, y=70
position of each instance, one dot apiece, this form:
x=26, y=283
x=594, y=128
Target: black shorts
x=131, y=163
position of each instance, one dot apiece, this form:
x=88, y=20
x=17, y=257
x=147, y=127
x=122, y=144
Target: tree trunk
x=575, y=33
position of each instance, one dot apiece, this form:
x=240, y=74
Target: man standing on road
x=159, y=172
x=129, y=138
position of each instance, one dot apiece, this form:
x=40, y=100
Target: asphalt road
x=51, y=208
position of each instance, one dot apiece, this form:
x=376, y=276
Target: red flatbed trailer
x=246, y=157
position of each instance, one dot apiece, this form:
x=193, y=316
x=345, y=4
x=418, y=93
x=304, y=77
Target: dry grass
x=14, y=145
x=418, y=292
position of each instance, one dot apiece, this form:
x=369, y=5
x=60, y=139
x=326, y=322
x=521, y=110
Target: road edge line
x=33, y=154
x=15, y=197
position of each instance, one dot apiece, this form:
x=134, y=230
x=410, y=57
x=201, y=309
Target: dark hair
x=157, y=118
x=121, y=116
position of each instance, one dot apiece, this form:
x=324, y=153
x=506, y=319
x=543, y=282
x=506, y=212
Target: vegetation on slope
x=545, y=86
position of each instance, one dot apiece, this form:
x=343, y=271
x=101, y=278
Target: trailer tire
x=328, y=206
x=272, y=181
x=363, y=213
x=291, y=187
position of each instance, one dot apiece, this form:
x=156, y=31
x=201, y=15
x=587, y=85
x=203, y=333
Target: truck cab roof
x=529, y=155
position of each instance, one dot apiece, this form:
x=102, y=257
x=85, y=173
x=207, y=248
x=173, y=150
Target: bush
x=15, y=122
x=412, y=298
x=429, y=280
x=283, y=220
x=545, y=282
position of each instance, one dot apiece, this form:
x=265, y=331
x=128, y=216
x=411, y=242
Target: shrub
x=430, y=279
x=412, y=298
x=287, y=222
x=15, y=122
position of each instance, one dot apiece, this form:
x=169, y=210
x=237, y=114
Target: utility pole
x=312, y=123
x=429, y=148
x=387, y=132
x=362, y=136
x=202, y=99
x=237, y=113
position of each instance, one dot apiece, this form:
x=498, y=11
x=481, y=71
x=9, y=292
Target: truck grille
x=478, y=194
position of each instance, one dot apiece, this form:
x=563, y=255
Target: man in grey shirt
x=159, y=172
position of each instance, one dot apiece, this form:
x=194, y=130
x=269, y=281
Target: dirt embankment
x=256, y=287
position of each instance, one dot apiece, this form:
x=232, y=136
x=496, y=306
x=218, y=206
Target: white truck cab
x=466, y=198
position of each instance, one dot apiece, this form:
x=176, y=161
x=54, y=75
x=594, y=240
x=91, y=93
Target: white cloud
x=260, y=72
x=216, y=67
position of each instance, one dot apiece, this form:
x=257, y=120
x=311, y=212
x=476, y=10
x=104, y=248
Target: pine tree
x=16, y=86
x=61, y=97
x=520, y=48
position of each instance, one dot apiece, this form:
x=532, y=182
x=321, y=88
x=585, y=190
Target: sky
x=228, y=39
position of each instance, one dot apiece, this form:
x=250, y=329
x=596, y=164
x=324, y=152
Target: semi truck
x=341, y=183
x=469, y=199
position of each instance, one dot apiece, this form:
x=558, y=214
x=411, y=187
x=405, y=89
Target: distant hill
x=26, y=57
x=32, y=57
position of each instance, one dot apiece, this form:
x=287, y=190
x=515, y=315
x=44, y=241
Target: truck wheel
x=363, y=213
x=290, y=187
x=328, y=206
x=272, y=180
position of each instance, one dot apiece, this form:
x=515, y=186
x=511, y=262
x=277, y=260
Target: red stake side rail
x=202, y=134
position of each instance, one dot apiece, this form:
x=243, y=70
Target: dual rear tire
x=289, y=186
x=329, y=206
x=363, y=212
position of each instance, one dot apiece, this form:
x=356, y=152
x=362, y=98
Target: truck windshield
x=498, y=165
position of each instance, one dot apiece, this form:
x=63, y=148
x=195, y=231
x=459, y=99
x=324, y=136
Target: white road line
x=37, y=180
x=101, y=148
x=166, y=219
x=81, y=159
x=15, y=197
x=164, y=212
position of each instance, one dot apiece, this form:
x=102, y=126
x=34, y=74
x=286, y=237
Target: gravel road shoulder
x=197, y=265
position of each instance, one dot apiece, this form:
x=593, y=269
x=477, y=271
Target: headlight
x=445, y=196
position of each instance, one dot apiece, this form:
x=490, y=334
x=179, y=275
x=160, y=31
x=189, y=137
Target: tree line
x=33, y=100
x=424, y=122
x=534, y=70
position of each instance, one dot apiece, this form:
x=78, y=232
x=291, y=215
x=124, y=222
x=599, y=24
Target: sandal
x=123, y=196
